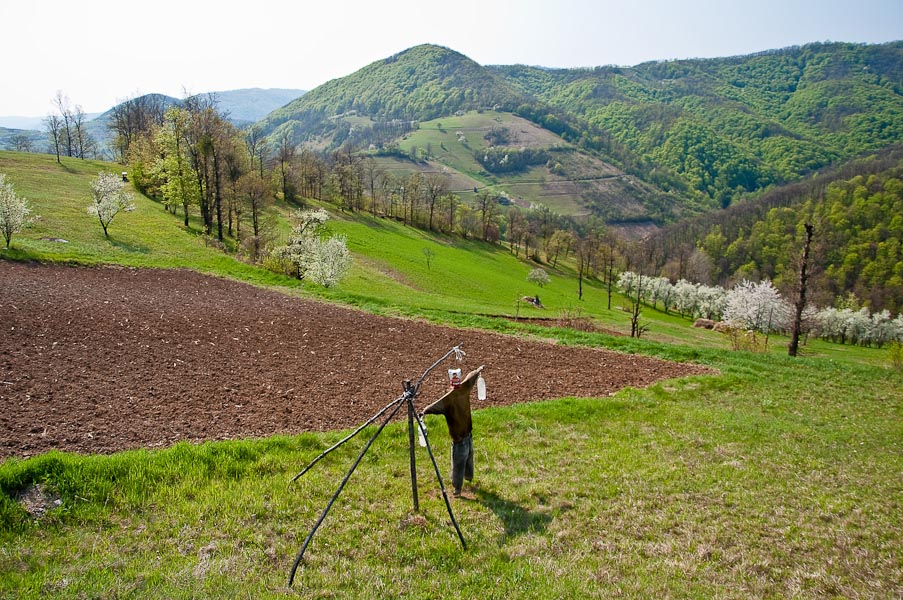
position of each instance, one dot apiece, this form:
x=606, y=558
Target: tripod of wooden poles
x=388, y=413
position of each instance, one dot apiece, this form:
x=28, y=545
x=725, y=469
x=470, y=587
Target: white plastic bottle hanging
x=420, y=436
x=481, y=387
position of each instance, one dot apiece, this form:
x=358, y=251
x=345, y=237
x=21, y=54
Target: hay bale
x=723, y=327
x=704, y=323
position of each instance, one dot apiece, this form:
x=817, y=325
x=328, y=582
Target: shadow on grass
x=126, y=247
x=516, y=519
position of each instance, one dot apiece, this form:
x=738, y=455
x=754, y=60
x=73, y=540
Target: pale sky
x=100, y=52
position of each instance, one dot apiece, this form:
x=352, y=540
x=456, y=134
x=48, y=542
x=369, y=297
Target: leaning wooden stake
x=410, y=396
x=291, y=577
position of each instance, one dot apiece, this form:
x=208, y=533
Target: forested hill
x=857, y=253
x=729, y=125
x=706, y=130
x=424, y=82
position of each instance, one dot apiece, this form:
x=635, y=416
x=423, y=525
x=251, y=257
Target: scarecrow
x=455, y=406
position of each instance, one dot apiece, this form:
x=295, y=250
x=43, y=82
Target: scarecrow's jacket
x=455, y=406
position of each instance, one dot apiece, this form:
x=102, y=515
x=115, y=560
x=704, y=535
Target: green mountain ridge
x=421, y=83
x=729, y=126
x=700, y=133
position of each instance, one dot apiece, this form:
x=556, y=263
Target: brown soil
x=95, y=360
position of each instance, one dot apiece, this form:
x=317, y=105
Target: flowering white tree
x=108, y=199
x=331, y=261
x=757, y=307
x=628, y=282
x=711, y=301
x=881, y=330
x=323, y=261
x=657, y=289
x=539, y=277
x=859, y=326
x=686, y=297
x=14, y=211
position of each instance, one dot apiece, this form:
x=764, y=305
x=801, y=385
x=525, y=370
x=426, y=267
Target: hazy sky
x=99, y=52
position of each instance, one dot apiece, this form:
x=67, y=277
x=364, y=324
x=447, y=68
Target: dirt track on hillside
x=95, y=360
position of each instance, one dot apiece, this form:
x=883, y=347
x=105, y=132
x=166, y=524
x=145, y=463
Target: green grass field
x=439, y=137
x=774, y=478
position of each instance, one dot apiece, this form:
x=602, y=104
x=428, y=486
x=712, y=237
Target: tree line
x=857, y=240
x=67, y=130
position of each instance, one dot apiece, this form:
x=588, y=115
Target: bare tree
x=208, y=139
x=451, y=203
x=256, y=144
x=256, y=193
x=54, y=126
x=800, y=303
x=435, y=187
x=587, y=253
x=488, y=208
x=84, y=144
x=62, y=104
x=134, y=117
x=285, y=155
x=21, y=143
x=373, y=176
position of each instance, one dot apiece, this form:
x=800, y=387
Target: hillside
x=421, y=83
x=732, y=125
x=470, y=149
x=242, y=107
x=857, y=214
x=389, y=267
x=421, y=99
x=692, y=134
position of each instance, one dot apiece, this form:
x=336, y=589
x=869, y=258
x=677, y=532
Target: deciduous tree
x=14, y=211
x=108, y=199
x=54, y=126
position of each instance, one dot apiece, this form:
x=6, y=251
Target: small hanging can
x=454, y=377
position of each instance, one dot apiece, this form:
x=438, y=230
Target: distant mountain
x=423, y=82
x=21, y=122
x=29, y=140
x=243, y=107
x=33, y=123
x=703, y=133
x=253, y=104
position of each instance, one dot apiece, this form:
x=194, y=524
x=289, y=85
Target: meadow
x=776, y=477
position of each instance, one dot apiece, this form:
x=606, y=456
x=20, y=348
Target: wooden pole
x=410, y=397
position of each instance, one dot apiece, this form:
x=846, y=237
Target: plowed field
x=95, y=360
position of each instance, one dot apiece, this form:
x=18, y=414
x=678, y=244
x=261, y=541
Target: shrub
x=539, y=277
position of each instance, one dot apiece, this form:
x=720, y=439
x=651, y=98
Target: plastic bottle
x=421, y=437
x=481, y=387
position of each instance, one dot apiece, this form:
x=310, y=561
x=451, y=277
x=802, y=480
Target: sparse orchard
x=14, y=211
x=757, y=307
x=108, y=199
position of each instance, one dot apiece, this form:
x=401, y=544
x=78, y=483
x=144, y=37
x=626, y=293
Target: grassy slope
x=59, y=195
x=440, y=136
x=776, y=478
